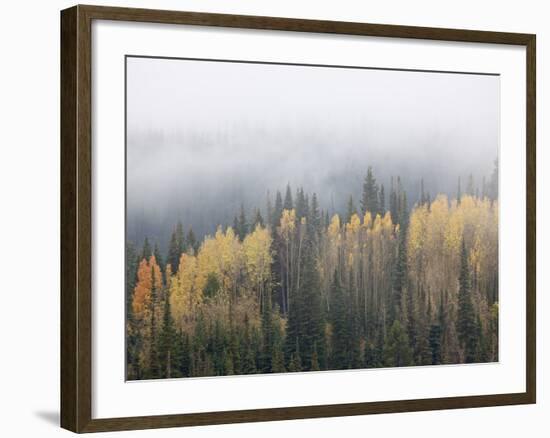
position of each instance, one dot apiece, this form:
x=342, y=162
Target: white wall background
x=29, y=215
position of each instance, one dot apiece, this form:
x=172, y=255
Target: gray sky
x=205, y=136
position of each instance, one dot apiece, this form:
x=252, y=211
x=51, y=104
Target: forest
x=288, y=287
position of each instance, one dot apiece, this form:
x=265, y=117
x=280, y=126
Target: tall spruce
x=277, y=210
x=340, y=326
x=191, y=242
x=382, y=200
x=242, y=225
x=369, y=199
x=176, y=247
x=351, y=210
x=146, y=252
x=168, y=345
x=159, y=258
x=397, y=351
x=466, y=318
x=288, y=204
x=268, y=210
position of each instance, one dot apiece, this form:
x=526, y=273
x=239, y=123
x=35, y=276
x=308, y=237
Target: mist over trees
x=284, y=218
x=198, y=146
x=290, y=286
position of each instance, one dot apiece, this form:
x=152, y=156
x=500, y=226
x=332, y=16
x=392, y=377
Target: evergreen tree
x=403, y=215
x=423, y=351
x=168, y=353
x=183, y=354
x=191, y=242
x=394, y=205
x=295, y=364
x=470, y=190
x=397, y=352
x=258, y=219
x=277, y=210
x=301, y=204
x=382, y=201
x=340, y=326
x=369, y=200
x=267, y=333
x=212, y=286
x=315, y=218
x=466, y=318
x=351, y=210
x=399, y=280
x=435, y=343
x=173, y=253
x=309, y=305
x=241, y=226
x=288, y=203
x=146, y=252
x=176, y=247
x=269, y=210
x=314, y=359
x=412, y=329
x=458, y=192
x=277, y=353
x=154, y=371
x=158, y=257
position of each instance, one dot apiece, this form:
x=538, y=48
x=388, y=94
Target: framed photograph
x=272, y=218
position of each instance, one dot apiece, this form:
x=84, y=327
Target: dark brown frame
x=76, y=219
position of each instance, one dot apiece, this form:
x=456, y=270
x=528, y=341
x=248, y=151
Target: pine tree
x=351, y=210
x=309, y=305
x=278, y=359
x=315, y=218
x=168, y=354
x=288, y=203
x=173, y=253
x=314, y=359
x=340, y=334
x=301, y=204
x=183, y=357
x=394, y=205
x=258, y=219
x=269, y=211
x=267, y=333
x=369, y=200
x=466, y=319
x=191, y=242
x=422, y=199
x=470, y=187
x=399, y=278
x=277, y=210
x=397, y=352
x=176, y=247
x=242, y=225
x=295, y=364
x=382, y=201
x=412, y=329
x=158, y=257
x=146, y=251
x=435, y=343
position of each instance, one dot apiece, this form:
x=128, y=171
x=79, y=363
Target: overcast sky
x=204, y=137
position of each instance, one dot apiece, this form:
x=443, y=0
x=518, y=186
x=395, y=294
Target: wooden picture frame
x=76, y=217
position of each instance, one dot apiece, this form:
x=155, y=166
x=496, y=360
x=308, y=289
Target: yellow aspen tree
x=258, y=259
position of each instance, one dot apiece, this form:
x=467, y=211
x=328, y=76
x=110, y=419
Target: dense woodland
x=287, y=287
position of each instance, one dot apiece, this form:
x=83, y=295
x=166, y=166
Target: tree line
x=297, y=289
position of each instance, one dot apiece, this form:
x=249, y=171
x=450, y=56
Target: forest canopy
x=288, y=287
